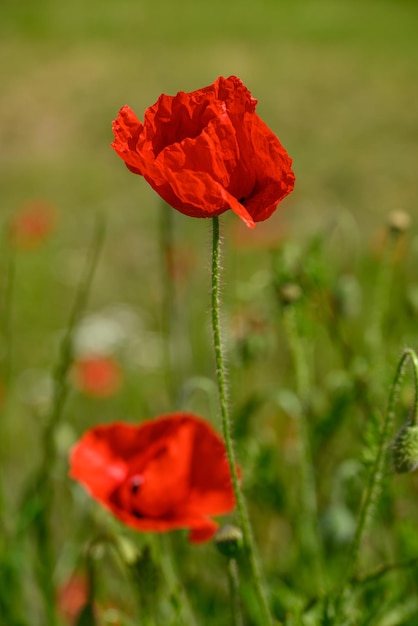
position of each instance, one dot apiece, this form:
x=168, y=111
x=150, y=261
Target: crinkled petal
x=127, y=130
x=235, y=94
x=197, y=194
x=207, y=151
x=273, y=171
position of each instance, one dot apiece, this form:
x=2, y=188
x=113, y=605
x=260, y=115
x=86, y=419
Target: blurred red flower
x=30, y=226
x=161, y=475
x=207, y=151
x=98, y=376
x=72, y=597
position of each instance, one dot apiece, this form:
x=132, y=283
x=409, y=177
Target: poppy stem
x=234, y=593
x=375, y=479
x=227, y=426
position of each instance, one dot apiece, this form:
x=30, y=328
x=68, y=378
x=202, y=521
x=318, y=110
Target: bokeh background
x=336, y=80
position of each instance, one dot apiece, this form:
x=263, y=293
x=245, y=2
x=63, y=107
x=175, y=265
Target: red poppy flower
x=161, y=475
x=207, y=151
x=32, y=224
x=97, y=376
x=72, y=597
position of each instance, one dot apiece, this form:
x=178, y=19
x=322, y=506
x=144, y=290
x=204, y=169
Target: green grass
x=336, y=80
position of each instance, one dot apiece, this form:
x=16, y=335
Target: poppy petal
x=203, y=533
x=207, y=151
x=161, y=475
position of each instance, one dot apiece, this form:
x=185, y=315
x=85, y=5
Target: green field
x=336, y=80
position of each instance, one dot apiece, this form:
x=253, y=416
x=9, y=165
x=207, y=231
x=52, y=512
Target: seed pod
x=228, y=540
x=405, y=449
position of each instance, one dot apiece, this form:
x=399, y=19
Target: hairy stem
x=227, y=427
x=376, y=473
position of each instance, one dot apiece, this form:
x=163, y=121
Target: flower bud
x=405, y=449
x=289, y=293
x=399, y=222
x=228, y=540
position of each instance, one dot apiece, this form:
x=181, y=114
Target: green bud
x=399, y=222
x=289, y=293
x=228, y=540
x=405, y=449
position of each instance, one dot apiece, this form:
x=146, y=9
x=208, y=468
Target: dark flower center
x=136, y=483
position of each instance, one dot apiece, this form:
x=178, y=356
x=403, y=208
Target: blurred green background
x=336, y=80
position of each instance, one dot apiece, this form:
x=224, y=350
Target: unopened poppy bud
x=289, y=293
x=405, y=449
x=399, y=222
x=228, y=540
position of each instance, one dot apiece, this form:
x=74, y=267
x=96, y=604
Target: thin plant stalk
x=227, y=427
x=41, y=490
x=384, y=570
x=6, y=321
x=376, y=473
x=125, y=559
x=65, y=360
x=310, y=533
x=7, y=333
x=381, y=299
x=236, y=614
x=177, y=590
x=11, y=603
x=147, y=601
